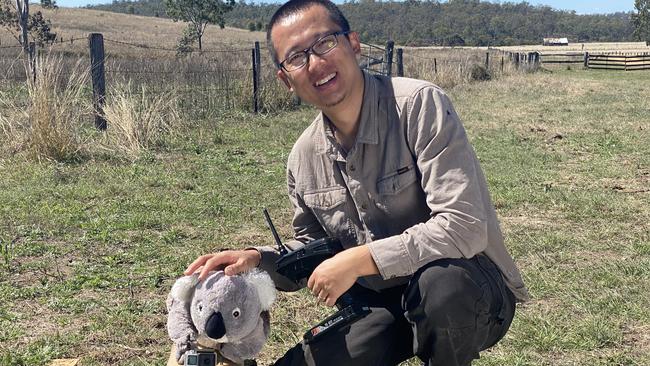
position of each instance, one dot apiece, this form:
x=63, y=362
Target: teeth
x=326, y=79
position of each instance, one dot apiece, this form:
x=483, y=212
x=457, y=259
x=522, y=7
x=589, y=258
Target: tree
x=641, y=20
x=49, y=4
x=184, y=46
x=16, y=18
x=40, y=29
x=199, y=13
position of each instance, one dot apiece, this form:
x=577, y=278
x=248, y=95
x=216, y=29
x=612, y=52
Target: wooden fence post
x=435, y=65
x=400, y=62
x=586, y=60
x=487, y=60
x=96, y=45
x=502, y=62
x=254, y=61
x=257, y=56
x=258, y=63
x=389, y=57
x=256, y=77
x=517, y=60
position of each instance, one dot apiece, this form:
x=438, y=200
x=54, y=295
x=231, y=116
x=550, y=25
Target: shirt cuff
x=269, y=256
x=391, y=257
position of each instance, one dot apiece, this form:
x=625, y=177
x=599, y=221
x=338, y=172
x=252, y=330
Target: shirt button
x=364, y=206
x=352, y=167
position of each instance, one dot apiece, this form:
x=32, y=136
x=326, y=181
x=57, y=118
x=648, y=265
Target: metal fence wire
x=214, y=81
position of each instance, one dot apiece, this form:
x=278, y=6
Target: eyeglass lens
x=321, y=47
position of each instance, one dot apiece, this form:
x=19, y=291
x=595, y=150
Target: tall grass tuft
x=48, y=126
x=138, y=118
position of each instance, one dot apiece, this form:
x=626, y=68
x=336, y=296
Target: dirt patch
x=530, y=220
x=43, y=269
x=41, y=321
x=637, y=338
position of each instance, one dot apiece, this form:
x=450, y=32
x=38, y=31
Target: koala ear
x=183, y=288
x=264, y=285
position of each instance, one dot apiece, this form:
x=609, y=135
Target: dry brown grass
x=448, y=67
x=49, y=125
x=138, y=119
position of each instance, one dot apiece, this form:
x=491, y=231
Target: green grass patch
x=89, y=249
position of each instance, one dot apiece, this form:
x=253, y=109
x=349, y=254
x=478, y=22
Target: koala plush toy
x=226, y=313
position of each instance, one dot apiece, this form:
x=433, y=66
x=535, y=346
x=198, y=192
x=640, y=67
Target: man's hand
x=231, y=262
x=336, y=275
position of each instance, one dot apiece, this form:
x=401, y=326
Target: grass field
x=89, y=249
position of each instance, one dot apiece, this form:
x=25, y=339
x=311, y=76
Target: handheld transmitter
x=299, y=264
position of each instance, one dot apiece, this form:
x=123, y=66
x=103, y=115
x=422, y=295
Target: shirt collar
x=368, y=133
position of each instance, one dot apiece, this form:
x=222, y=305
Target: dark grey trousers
x=449, y=311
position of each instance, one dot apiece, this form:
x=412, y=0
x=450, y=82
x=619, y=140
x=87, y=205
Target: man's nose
x=314, y=60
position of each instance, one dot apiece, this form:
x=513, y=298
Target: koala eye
x=236, y=313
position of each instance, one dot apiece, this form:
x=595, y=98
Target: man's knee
x=447, y=292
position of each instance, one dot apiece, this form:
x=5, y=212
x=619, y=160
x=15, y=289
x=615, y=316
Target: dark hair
x=294, y=6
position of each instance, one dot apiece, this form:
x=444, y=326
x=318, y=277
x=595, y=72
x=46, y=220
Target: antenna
x=281, y=247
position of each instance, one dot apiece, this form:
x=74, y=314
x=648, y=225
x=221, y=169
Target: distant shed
x=556, y=41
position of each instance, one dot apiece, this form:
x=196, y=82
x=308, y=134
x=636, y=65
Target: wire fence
x=212, y=81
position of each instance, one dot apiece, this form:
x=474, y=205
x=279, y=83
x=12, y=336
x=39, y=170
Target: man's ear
x=355, y=42
x=283, y=77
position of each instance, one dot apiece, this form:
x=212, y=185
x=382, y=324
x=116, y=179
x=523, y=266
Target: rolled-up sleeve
x=448, y=168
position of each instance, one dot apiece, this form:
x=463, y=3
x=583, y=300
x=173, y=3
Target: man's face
x=325, y=81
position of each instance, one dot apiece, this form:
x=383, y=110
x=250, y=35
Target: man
x=386, y=168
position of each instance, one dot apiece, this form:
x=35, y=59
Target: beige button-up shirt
x=411, y=187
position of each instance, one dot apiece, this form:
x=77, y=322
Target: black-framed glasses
x=322, y=46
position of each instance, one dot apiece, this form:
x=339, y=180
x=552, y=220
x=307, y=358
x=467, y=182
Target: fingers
x=311, y=281
x=231, y=261
x=198, y=262
x=206, y=263
x=322, y=296
x=326, y=298
x=243, y=261
x=330, y=301
x=235, y=268
x=215, y=263
x=315, y=286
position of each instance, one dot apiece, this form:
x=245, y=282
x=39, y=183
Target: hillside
x=155, y=32
x=425, y=23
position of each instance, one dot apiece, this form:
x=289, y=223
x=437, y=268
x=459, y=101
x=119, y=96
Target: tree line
x=451, y=23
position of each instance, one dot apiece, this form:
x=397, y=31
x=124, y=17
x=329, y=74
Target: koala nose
x=215, y=328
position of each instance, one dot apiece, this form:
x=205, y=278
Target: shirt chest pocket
x=329, y=208
x=399, y=197
x=325, y=199
x=397, y=182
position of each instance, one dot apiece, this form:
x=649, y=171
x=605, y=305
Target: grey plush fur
x=239, y=304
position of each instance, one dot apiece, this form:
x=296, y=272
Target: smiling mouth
x=325, y=80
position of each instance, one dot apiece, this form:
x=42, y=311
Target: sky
x=580, y=6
